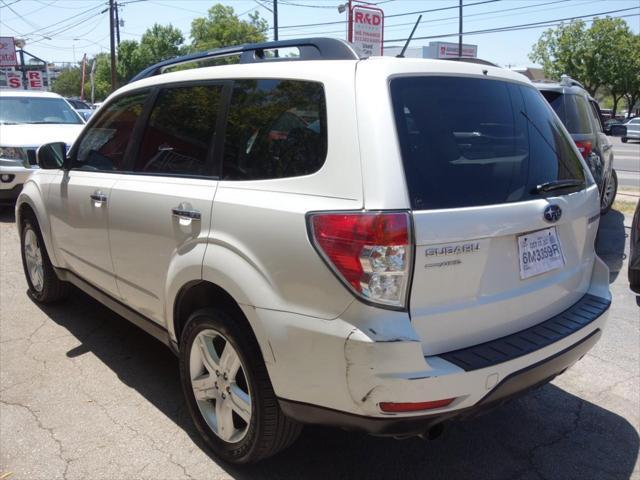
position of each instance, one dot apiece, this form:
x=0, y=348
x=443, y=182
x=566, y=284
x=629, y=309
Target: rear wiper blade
x=557, y=185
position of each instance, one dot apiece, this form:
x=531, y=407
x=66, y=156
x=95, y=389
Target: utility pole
x=460, y=31
x=23, y=67
x=275, y=20
x=112, y=45
x=117, y=26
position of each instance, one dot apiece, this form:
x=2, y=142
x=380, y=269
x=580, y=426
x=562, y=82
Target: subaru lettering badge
x=552, y=213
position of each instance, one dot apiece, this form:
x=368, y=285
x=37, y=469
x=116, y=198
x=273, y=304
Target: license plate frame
x=539, y=252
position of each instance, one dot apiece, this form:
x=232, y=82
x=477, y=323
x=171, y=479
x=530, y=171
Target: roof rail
x=567, y=81
x=473, y=60
x=310, y=49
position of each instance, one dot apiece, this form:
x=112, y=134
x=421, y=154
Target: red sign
x=366, y=30
x=34, y=80
x=8, y=52
x=14, y=80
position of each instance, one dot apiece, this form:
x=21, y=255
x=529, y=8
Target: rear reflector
x=369, y=251
x=392, y=407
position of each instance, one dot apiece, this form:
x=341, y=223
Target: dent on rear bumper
x=370, y=355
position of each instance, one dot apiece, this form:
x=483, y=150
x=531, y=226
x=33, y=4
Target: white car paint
x=321, y=345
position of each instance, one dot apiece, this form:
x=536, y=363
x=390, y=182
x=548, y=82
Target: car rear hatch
x=504, y=212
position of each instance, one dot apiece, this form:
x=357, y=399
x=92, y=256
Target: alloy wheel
x=220, y=386
x=33, y=256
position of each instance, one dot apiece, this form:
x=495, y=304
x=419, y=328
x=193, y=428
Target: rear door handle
x=185, y=211
x=98, y=197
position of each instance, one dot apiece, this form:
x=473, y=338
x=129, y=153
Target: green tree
x=567, y=50
x=595, y=56
x=222, y=28
x=633, y=75
x=102, y=77
x=68, y=82
x=158, y=43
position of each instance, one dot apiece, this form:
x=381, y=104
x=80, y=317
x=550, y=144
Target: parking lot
x=86, y=395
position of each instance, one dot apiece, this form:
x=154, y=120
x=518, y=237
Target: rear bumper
x=338, y=372
x=512, y=386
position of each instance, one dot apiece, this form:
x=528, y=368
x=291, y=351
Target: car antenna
x=404, y=49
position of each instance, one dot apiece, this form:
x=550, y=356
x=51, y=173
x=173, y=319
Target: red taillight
x=370, y=251
x=584, y=146
x=392, y=407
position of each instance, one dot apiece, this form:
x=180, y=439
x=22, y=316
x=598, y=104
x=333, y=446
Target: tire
x=249, y=438
x=634, y=281
x=624, y=139
x=44, y=284
x=609, y=193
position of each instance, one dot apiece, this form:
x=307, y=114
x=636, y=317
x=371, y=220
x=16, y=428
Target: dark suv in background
x=581, y=115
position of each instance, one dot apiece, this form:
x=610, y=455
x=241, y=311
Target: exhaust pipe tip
x=433, y=432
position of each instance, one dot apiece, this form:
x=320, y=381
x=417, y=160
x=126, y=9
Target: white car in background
x=633, y=130
x=29, y=119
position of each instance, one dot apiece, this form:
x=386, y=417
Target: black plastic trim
x=524, y=342
x=140, y=321
x=310, y=49
x=511, y=387
x=10, y=195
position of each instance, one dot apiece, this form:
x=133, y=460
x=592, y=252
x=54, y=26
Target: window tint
x=180, y=131
x=104, y=144
x=597, y=118
x=572, y=110
x=275, y=129
x=469, y=142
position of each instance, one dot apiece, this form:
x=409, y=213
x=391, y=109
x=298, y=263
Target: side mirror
x=618, y=131
x=51, y=156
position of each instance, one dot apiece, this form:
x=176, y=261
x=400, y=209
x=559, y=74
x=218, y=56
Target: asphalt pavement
x=626, y=161
x=86, y=395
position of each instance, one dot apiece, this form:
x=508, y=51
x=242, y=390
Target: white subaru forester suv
x=375, y=244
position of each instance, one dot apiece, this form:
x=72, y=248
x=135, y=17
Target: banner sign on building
x=8, y=52
x=450, y=50
x=366, y=30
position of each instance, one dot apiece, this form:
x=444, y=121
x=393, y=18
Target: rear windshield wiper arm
x=557, y=185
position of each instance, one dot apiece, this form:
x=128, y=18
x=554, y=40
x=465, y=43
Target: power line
x=523, y=26
x=342, y=22
x=85, y=12
x=28, y=22
x=430, y=23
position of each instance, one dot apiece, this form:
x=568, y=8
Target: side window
x=275, y=129
x=104, y=144
x=180, y=130
x=576, y=117
x=597, y=117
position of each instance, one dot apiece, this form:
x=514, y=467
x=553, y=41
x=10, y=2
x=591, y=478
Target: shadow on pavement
x=610, y=243
x=548, y=433
x=7, y=214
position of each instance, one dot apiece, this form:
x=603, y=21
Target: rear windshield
x=572, y=110
x=470, y=142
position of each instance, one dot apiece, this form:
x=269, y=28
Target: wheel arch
x=30, y=202
x=201, y=294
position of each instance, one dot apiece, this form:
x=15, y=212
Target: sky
x=63, y=30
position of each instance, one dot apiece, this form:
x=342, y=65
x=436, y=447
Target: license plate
x=539, y=252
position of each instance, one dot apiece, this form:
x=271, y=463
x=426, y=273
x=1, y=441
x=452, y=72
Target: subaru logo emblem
x=552, y=213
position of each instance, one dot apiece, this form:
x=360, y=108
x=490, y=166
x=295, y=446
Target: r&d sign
x=366, y=30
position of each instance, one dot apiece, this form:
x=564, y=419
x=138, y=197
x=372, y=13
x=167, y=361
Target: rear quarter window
x=572, y=110
x=275, y=129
